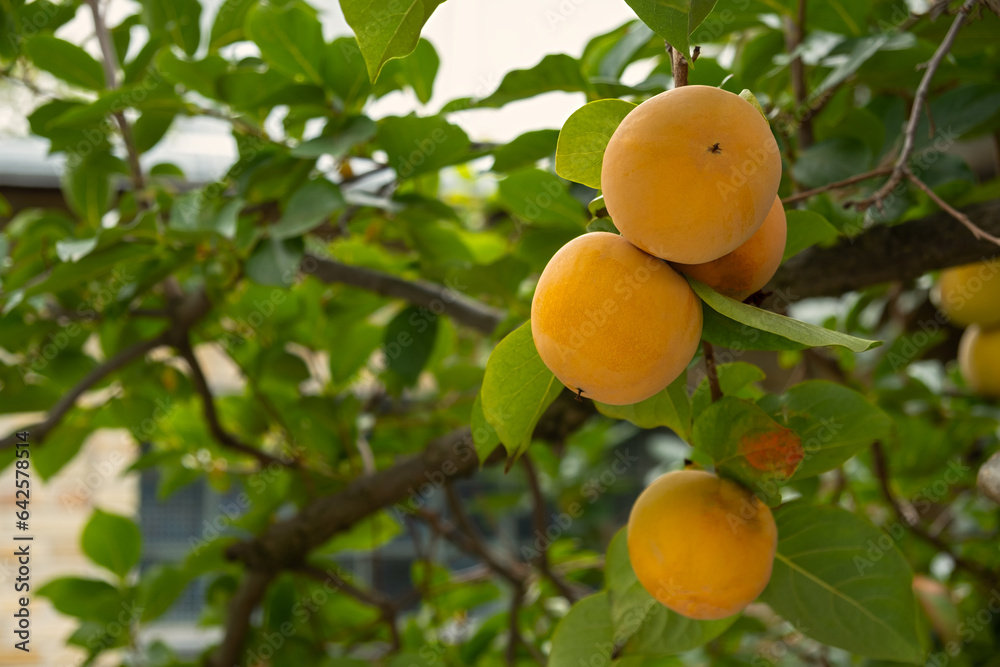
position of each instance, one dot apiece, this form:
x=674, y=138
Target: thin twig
x=541, y=526
x=799, y=196
x=438, y=299
x=109, y=58
x=795, y=33
x=68, y=400
x=881, y=470
x=710, y=369
x=977, y=231
x=224, y=437
x=909, y=136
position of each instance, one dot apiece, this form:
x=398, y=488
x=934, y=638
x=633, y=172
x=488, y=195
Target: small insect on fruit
x=714, y=148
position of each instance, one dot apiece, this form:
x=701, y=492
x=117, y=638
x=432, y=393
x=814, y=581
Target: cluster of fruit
x=690, y=179
x=970, y=297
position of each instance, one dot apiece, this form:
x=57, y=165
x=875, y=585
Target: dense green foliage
x=341, y=380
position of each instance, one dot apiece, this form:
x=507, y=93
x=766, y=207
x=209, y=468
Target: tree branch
x=794, y=34
x=541, y=525
x=881, y=469
x=439, y=299
x=920, y=98
x=887, y=253
x=799, y=196
x=68, y=400
x=109, y=58
x=976, y=230
x=710, y=370
x=679, y=64
x=225, y=438
x=241, y=607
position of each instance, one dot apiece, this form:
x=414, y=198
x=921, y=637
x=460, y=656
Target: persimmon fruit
x=690, y=174
x=612, y=323
x=748, y=268
x=701, y=545
x=970, y=294
x=979, y=360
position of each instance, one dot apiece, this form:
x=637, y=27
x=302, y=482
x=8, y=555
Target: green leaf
x=525, y=150
x=754, y=102
x=290, y=40
x=337, y=140
x=345, y=74
x=834, y=422
x=409, y=341
x=89, y=599
x=421, y=145
x=87, y=185
x=673, y=20
x=831, y=160
x=158, y=589
x=833, y=565
x=179, y=19
x=735, y=379
x=861, y=50
x=806, y=229
x=65, y=61
x=794, y=330
x=642, y=624
x=553, y=72
x=584, y=636
x=353, y=346
x=585, y=136
x=517, y=387
x=275, y=262
x=150, y=127
x=112, y=541
x=308, y=207
x=97, y=264
x=201, y=76
x=73, y=250
x=720, y=330
x=540, y=197
x=484, y=436
x=386, y=29
x=670, y=407
x=415, y=71
x=368, y=535
x=229, y=23
x=747, y=445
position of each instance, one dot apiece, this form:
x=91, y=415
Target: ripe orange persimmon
x=979, y=360
x=612, y=322
x=690, y=174
x=748, y=268
x=701, y=545
x=970, y=294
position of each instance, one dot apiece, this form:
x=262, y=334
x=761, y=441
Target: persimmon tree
x=371, y=279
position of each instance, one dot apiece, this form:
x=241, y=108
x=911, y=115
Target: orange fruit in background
x=701, y=545
x=612, y=322
x=970, y=294
x=748, y=268
x=979, y=360
x=690, y=174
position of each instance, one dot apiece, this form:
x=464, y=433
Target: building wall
x=59, y=510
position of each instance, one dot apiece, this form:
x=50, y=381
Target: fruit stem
x=679, y=64
x=710, y=369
